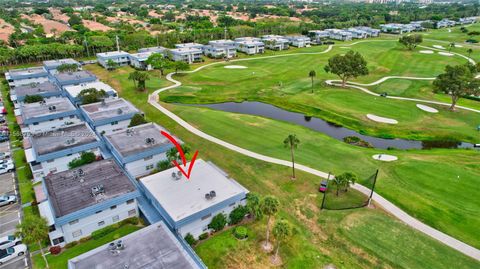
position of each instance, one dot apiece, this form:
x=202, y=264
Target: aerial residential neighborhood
x=239, y=134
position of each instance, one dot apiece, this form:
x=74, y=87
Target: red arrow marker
x=182, y=155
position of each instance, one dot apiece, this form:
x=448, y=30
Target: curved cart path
x=384, y=203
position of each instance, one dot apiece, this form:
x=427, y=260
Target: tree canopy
x=350, y=65
x=411, y=41
x=92, y=95
x=158, y=61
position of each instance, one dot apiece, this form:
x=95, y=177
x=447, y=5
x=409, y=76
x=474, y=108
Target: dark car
x=323, y=186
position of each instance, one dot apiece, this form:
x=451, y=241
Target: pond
x=330, y=129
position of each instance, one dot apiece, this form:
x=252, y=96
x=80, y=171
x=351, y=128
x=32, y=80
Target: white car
x=4, y=155
x=6, y=161
x=6, y=168
x=9, y=241
x=12, y=252
x=7, y=199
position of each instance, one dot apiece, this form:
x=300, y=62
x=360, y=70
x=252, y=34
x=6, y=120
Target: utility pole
x=225, y=33
x=118, y=45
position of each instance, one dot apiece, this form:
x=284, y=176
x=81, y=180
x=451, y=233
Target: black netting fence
x=338, y=196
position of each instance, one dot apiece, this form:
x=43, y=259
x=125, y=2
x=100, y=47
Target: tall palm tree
x=469, y=51
x=282, y=230
x=312, y=74
x=254, y=203
x=451, y=46
x=270, y=205
x=139, y=79
x=292, y=142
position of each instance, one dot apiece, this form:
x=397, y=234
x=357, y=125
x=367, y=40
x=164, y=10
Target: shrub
x=33, y=99
x=237, y=215
x=203, y=236
x=241, y=232
x=71, y=244
x=85, y=239
x=102, y=232
x=471, y=41
x=190, y=239
x=85, y=158
x=132, y=221
x=353, y=140
x=55, y=250
x=218, y=222
x=137, y=119
x=474, y=33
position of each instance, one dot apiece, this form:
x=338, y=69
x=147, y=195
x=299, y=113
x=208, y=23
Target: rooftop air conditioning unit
x=207, y=196
x=213, y=194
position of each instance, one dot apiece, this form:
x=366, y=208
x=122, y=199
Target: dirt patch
x=95, y=26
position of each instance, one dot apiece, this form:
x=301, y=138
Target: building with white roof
x=47, y=115
x=110, y=115
x=188, y=54
x=139, y=60
x=121, y=58
x=189, y=45
x=44, y=89
x=188, y=205
x=318, y=36
x=73, y=78
x=299, y=41
x=250, y=45
x=158, y=49
x=341, y=35
x=275, y=42
x=72, y=91
x=52, y=65
x=220, y=49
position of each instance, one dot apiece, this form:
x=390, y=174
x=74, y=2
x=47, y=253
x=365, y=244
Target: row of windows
x=61, y=118
x=115, y=218
x=131, y=201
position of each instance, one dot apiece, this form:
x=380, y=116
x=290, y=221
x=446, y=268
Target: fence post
x=325, y=193
x=373, y=188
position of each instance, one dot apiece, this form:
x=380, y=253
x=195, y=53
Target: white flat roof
x=185, y=197
x=46, y=212
x=74, y=90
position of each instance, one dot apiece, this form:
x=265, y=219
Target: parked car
x=4, y=138
x=6, y=161
x=3, y=110
x=12, y=252
x=6, y=168
x=323, y=186
x=7, y=200
x=9, y=241
x=4, y=155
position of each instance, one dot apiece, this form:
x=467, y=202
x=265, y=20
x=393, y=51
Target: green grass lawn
x=313, y=245
x=380, y=240
x=61, y=261
x=423, y=182
x=284, y=82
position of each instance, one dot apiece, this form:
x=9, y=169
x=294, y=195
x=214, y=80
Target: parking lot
x=10, y=215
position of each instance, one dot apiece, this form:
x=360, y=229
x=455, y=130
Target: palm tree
x=292, y=142
x=270, y=205
x=139, y=79
x=173, y=154
x=451, y=46
x=282, y=230
x=33, y=230
x=469, y=51
x=312, y=74
x=254, y=202
x=111, y=64
x=348, y=178
x=338, y=181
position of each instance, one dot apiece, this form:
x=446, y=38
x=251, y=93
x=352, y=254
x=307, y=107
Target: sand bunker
x=235, y=67
x=438, y=47
x=427, y=108
x=345, y=47
x=426, y=51
x=385, y=157
x=381, y=119
x=458, y=46
x=446, y=53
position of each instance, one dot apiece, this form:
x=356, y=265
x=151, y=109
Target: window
x=57, y=241
x=61, y=118
x=51, y=228
x=149, y=167
x=98, y=212
x=207, y=216
x=51, y=161
x=35, y=123
x=115, y=218
x=101, y=223
x=113, y=207
x=77, y=233
x=73, y=222
x=205, y=228
x=130, y=201
x=231, y=205
x=132, y=212
x=72, y=116
x=148, y=158
x=114, y=123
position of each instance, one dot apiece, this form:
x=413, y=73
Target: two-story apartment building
x=275, y=42
x=72, y=91
x=299, y=41
x=120, y=58
x=73, y=78
x=44, y=89
x=52, y=65
x=341, y=35
x=87, y=198
x=249, y=45
x=188, y=206
x=51, y=151
x=357, y=33
x=24, y=76
x=220, y=49
x=139, y=60
x=47, y=115
x=189, y=45
x=140, y=148
x=110, y=115
x=371, y=32
x=396, y=28
x=318, y=36
x=188, y=55
x=158, y=49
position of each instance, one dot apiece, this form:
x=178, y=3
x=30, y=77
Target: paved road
x=387, y=205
